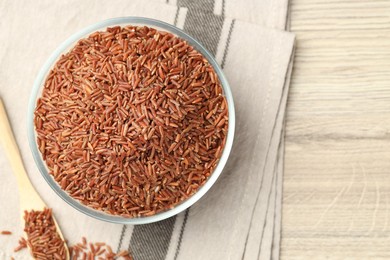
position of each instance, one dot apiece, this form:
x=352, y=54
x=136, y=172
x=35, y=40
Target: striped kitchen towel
x=263, y=238
x=267, y=13
x=240, y=216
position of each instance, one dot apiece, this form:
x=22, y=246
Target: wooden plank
x=336, y=201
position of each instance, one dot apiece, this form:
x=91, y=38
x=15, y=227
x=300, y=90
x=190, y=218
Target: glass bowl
x=36, y=93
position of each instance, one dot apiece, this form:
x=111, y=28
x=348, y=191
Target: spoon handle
x=28, y=195
x=29, y=198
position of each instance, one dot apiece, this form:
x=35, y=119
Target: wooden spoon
x=29, y=198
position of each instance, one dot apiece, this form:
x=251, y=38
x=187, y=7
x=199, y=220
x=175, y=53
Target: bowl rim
x=41, y=77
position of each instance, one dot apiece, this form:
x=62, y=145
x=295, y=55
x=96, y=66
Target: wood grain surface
x=336, y=202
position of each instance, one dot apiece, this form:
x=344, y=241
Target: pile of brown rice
x=45, y=242
x=131, y=121
x=42, y=236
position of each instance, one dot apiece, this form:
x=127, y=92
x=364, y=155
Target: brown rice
x=42, y=236
x=131, y=121
x=22, y=244
x=85, y=250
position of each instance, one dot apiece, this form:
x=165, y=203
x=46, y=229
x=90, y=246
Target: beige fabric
x=268, y=231
x=256, y=66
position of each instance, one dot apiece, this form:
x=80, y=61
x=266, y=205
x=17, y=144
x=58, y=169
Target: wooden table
x=336, y=202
